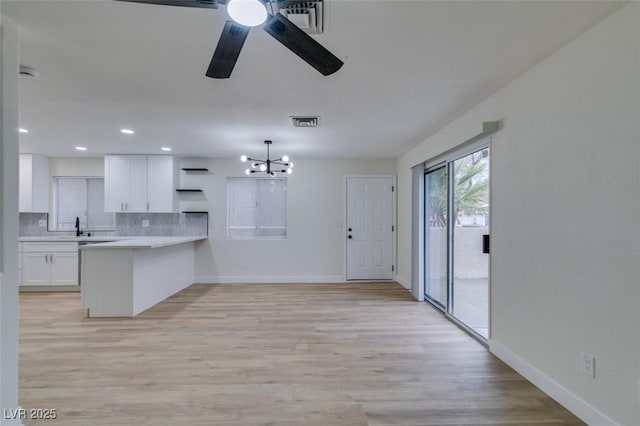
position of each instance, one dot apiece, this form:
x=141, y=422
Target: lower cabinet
x=49, y=264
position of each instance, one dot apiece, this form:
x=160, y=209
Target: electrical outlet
x=42, y=223
x=588, y=364
x=145, y=223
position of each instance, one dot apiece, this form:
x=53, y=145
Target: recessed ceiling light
x=81, y=148
x=165, y=148
x=127, y=131
x=21, y=130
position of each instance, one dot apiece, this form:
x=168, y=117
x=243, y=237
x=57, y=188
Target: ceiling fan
x=250, y=13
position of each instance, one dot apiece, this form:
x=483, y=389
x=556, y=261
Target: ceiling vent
x=308, y=16
x=311, y=121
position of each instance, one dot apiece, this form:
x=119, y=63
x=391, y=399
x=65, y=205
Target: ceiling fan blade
x=205, y=4
x=227, y=50
x=302, y=44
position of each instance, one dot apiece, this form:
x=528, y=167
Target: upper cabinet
x=34, y=183
x=125, y=183
x=140, y=183
x=162, y=179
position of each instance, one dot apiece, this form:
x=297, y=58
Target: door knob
x=349, y=237
x=350, y=229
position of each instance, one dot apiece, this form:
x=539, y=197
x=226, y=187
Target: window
x=256, y=208
x=82, y=198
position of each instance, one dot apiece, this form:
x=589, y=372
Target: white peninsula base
x=122, y=279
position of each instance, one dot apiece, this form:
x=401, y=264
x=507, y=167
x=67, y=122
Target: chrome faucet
x=78, y=231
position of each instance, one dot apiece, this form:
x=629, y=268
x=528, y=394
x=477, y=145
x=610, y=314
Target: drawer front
x=36, y=247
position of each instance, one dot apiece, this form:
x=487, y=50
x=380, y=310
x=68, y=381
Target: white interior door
x=369, y=228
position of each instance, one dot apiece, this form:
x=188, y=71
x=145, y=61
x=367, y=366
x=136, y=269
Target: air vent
x=304, y=121
x=306, y=15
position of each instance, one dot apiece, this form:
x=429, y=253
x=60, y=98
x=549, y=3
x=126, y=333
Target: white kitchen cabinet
x=34, y=183
x=162, y=178
x=49, y=264
x=125, y=183
x=137, y=201
x=116, y=181
x=140, y=183
x=36, y=269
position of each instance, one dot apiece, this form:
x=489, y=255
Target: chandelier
x=268, y=166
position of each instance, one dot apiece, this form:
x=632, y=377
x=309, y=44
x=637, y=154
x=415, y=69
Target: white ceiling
x=410, y=67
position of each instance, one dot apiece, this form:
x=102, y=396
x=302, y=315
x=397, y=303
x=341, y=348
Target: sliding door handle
x=486, y=243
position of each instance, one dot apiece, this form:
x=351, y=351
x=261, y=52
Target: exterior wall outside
x=470, y=261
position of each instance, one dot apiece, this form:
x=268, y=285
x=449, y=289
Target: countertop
x=73, y=238
x=102, y=242
x=143, y=242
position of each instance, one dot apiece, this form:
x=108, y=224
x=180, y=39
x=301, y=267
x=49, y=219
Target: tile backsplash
x=127, y=224
x=162, y=224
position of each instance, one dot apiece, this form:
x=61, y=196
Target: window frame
x=256, y=235
x=54, y=216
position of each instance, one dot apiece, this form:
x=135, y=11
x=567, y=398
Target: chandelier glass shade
x=268, y=166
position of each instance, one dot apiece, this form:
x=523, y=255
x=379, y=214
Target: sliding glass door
x=457, y=238
x=436, y=238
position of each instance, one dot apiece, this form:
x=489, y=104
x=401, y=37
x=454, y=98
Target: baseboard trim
x=565, y=397
x=404, y=283
x=268, y=279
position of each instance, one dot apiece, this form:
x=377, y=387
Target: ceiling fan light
x=249, y=13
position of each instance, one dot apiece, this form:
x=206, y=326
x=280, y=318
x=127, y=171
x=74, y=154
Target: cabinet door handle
x=126, y=206
x=51, y=258
x=147, y=206
x=121, y=206
x=46, y=258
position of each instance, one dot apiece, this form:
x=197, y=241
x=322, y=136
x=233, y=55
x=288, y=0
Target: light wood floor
x=288, y=354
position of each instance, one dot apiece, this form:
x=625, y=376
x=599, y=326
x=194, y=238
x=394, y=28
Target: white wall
x=565, y=211
x=82, y=167
x=314, y=248
x=9, y=57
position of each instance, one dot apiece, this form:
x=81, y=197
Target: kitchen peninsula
x=123, y=278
